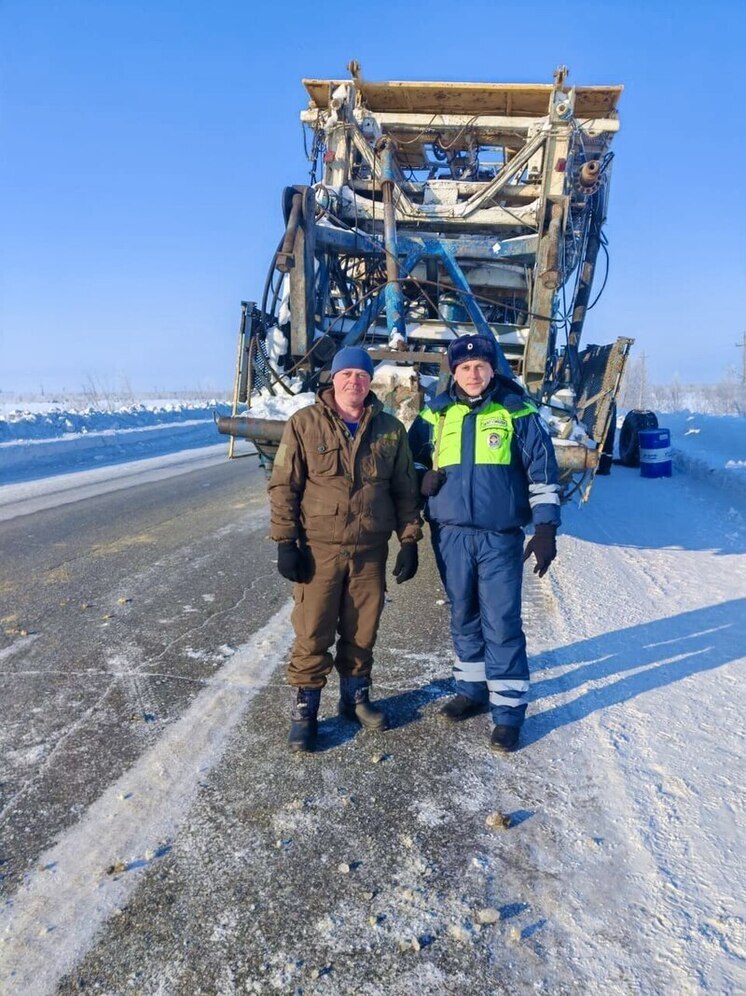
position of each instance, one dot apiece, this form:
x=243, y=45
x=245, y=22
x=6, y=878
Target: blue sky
x=145, y=146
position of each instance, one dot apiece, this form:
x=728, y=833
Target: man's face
x=351, y=386
x=473, y=376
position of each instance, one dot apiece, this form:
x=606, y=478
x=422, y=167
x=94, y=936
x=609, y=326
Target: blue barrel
x=655, y=452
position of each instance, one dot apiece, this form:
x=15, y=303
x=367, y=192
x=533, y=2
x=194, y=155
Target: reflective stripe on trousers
x=483, y=572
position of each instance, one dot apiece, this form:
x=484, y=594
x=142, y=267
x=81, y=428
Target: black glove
x=543, y=546
x=292, y=562
x=407, y=561
x=432, y=482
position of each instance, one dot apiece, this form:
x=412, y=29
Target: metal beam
x=472, y=247
x=429, y=126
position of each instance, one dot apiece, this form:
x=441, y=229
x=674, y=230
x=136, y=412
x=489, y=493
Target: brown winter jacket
x=327, y=487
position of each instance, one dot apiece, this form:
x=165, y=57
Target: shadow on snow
x=657, y=653
x=641, y=658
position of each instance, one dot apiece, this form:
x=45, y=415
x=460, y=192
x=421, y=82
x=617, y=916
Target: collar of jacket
x=324, y=397
x=504, y=390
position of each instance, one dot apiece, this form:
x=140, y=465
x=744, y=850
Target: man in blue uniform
x=487, y=469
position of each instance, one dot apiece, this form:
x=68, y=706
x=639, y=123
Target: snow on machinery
x=434, y=209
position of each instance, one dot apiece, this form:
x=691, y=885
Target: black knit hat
x=472, y=347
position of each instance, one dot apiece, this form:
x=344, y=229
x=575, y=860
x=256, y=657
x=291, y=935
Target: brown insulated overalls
x=341, y=497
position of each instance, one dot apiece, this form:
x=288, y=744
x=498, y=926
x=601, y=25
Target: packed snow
x=709, y=446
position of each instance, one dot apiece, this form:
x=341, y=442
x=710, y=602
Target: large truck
x=432, y=210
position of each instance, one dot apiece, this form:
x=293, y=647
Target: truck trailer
x=434, y=209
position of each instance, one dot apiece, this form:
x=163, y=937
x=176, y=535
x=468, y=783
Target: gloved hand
x=292, y=563
x=543, y=546
x=432, y=482
x=407, y=561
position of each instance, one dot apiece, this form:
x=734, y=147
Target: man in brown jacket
x=342, y=482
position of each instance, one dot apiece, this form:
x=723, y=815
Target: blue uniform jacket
x=501, y=472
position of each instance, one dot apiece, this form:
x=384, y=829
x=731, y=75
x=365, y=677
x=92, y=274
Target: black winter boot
x=354, y=703
x=504, y=739
x=461, y=707
x=302, y=737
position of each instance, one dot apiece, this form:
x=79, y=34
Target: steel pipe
x=262, y=429
x=570, y=458
x=394, y=298
x=285, y=257
x=575, y=458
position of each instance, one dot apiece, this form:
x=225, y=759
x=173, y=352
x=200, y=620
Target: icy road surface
x=607, y=855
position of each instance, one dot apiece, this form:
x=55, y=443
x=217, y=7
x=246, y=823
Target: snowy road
x=647, y=665
x=188, y=853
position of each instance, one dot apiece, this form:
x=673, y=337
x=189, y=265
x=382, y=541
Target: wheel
x=629, y=443
x=607, y=450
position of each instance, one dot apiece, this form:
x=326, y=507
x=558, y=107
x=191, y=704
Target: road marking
x=51, y=922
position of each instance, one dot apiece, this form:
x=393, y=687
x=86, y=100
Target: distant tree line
x=728, y=397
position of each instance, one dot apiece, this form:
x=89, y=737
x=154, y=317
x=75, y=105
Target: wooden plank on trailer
x=511, y=99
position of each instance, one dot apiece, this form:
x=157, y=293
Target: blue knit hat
x=352, y=358
x=472, y=347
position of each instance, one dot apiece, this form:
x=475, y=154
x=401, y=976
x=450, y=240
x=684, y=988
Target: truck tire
x=607, y=450
x=629, y=443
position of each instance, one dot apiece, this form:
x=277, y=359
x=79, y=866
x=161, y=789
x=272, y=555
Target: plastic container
x=655, y=453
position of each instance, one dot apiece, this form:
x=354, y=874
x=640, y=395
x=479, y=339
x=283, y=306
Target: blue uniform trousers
x=482, y=572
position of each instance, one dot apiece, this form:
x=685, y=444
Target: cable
x=268, y=281
x=576, y=487
x=415, y=140
x=603, y=242
x=313, y=155
x=461, y=131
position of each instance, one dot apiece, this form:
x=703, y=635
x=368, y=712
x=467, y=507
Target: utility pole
x=742, y=345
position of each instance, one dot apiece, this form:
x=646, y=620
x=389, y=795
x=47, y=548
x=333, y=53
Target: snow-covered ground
x=646, y=646
x=709, y=446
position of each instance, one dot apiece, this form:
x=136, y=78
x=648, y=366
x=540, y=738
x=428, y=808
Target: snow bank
x=58, y=441
x=56, y=423
x=711, y=447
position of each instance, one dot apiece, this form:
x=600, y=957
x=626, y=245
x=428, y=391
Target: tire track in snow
x=66, y=900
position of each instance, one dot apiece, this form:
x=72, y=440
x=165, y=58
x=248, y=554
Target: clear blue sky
x=145, y=146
